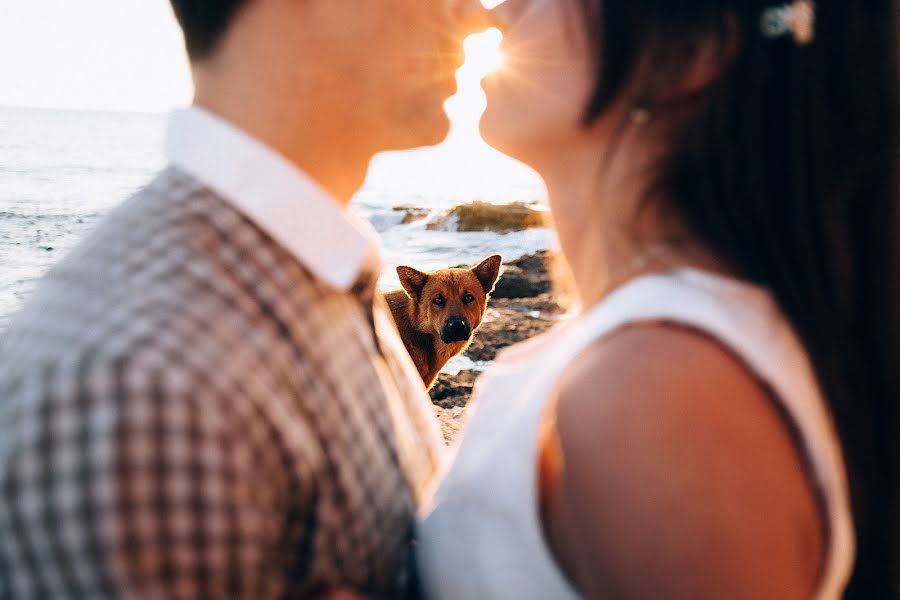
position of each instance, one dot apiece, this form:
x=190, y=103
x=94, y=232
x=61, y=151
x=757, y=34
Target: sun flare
x=482, y=57
x=464, y=167
x=483, y=53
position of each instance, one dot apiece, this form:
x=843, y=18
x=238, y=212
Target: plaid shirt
x=187, y=411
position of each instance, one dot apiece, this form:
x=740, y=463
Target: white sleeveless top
x=481, y=535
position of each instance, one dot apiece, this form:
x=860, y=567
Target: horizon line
x=52, y=108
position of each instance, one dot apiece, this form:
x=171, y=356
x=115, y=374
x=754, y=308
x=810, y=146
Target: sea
x=62, y=171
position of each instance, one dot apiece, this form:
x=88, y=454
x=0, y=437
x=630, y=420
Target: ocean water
x=62, y=171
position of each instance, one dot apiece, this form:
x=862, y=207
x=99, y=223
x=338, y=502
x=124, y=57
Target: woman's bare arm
x=678, y=477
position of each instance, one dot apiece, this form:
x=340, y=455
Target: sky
x=128, y=55
x=92, y=54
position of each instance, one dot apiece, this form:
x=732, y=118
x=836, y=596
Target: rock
x=450, y=391
x=525, y=277
x=510, y=321
x=412, y=213
x=535, y=263
x=484, y=216
x=518, y=282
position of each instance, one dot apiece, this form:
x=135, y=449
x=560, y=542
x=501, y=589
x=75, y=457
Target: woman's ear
x=674, y=71
x=707, y=58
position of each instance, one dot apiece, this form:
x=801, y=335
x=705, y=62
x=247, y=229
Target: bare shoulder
x=680, y=475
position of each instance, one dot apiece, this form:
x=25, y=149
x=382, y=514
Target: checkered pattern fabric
x=185, y=411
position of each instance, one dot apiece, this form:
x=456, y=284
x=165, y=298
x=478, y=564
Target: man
x=204, y=399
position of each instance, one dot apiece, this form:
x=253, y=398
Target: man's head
x=328, y=83
x=372, y=75
x=204, y=23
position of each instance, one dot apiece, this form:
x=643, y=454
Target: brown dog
x=438, y=312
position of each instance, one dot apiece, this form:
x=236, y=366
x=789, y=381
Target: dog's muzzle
x=455, y=330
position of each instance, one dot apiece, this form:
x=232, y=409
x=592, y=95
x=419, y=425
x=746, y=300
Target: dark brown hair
x=204, y=22
x=788, y=172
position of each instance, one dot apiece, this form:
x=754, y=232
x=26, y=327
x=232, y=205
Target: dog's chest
x=444, y=352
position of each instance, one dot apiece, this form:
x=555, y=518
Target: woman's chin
x=502, y=133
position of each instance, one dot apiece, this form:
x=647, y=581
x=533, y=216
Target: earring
x=641, y=113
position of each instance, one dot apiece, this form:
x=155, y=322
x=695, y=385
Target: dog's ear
x=412, y=280
x=487, y=272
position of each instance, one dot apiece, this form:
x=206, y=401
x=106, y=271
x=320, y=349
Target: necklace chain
x=639, y=262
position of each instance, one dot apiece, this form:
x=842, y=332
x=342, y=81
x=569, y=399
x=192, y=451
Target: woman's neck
x=609, y=229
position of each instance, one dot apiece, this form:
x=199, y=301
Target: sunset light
x=464, y=167
x=128, y=55
x=483, y=51
x=482, y=57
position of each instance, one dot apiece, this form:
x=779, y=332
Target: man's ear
x=412, y=280
x=487, y=272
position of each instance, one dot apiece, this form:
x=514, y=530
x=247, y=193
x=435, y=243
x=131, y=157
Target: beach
x=62, y=172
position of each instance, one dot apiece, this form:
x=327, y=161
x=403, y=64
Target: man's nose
x=471, y=16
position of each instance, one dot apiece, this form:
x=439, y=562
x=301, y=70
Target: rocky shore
x=522, y=305
x=477, y=216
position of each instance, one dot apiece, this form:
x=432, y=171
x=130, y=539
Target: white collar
x=300, y=215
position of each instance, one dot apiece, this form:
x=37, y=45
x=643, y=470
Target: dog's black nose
x=455, y=330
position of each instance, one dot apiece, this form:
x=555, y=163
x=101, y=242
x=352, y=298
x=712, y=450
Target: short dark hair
x=788, y=171
x=204, y=22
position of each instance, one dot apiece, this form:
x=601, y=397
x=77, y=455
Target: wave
x=62, y=217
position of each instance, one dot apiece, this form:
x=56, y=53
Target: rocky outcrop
x=411, y=213
x=484, y=216
x=526, y=277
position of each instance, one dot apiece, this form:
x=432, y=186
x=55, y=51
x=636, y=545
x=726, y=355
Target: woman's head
x=538, y=98
x=781, y=158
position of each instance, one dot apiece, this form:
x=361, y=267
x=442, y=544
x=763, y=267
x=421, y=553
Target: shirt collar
x=336, y=245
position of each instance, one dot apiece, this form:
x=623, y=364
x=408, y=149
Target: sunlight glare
x=463, y=168
x=483, y=52
x=482, y=56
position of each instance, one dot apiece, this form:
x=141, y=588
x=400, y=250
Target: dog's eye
x=468, y=298
x=440, y=301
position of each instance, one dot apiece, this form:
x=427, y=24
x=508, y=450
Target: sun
x=482, y=56
x=483, y=52
x=462, y=168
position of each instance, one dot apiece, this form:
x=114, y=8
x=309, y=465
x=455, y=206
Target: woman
x=720, y=420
